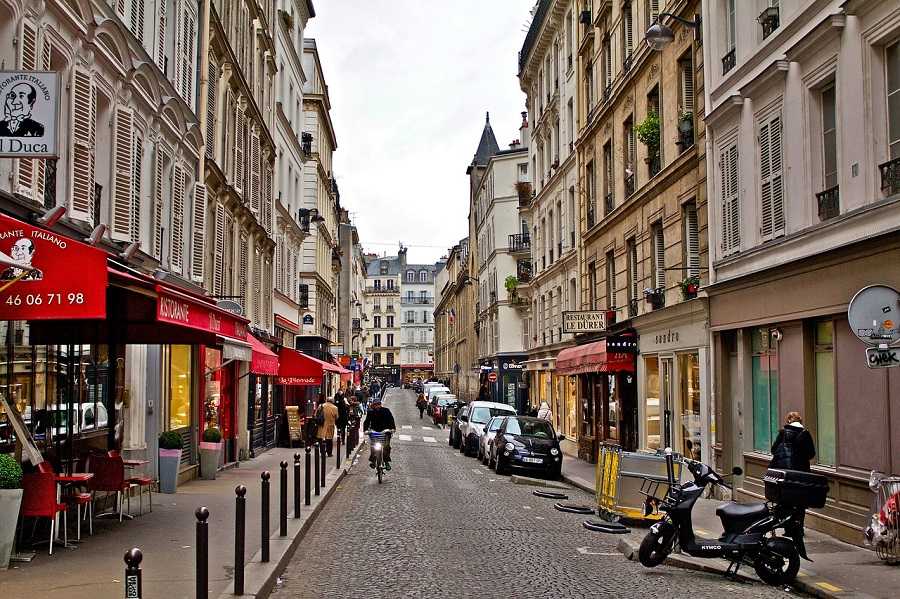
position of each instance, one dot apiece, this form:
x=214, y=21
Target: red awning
x=288, y=325
x=295, y=368
x=264, y=361
x=592, y=357
x=178, y=307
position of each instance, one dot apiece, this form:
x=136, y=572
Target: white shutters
x=185, y=34
x=257, y=285
x=122, y=181
x=212, y=92
x=219, y=256
x=254, y=171
x=240, y=130
x=659, y=257
x=228, y=256
x=771, y=177
x=198, y=232
x=266, y=200
x=687, y=86
x=161, y=36
x=176, y=253
x=628, y=33
x=160, y=161
x=632, y=269
x=652, y=10
x=691, y=241
x=26, y=171
x=242, y=271
x=135, y=18
x=137, y=160
x=730, y=202
x=280, y=261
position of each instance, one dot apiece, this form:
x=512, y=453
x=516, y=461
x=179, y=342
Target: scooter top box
x=796, y=488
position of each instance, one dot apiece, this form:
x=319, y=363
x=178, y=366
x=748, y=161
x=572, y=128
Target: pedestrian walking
x=484, y=394
x=421, y=403
x=793, y=447
x=326, y=418
x=544, y=412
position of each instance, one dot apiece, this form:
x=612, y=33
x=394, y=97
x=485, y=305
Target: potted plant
x=169, y=459
x=523, y=190
x=10, y=500
x=690, y=286
x=648, y=134
x=511, y=282
x=685, y=129
x=655, y=297
x=210, y=452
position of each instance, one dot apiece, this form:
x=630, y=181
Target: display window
x=652, y=416
x=212, y=401
x=571, y=424
x=689, y=377
x=179, y=386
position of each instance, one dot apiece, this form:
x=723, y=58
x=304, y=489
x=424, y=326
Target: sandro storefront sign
x=45, y=276
x=181, y=309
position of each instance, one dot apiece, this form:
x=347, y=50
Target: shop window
x=612, y=409
x=213, y=395
x=653, y=421
x=179, y=386
x=764, y=365
x=825, y=409
x=689, y=373
x=571, y=429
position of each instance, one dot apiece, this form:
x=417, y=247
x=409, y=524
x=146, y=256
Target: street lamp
x=658, y=35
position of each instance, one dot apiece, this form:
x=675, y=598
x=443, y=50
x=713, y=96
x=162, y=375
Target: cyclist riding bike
x=379, y=419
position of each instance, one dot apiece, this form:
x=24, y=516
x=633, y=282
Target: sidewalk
x=837, y=570
x=167, y=539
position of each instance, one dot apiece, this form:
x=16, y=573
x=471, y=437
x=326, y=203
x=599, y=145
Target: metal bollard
x=264, y=524
x=337, y=453
x=306, y=475
x=349, y=444
x=133, y=588
x=297, y=485
x=282, y=514
x=318, y=464
x=202, y=565
x=322, y=456
x=240, y=526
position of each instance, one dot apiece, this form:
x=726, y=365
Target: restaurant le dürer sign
x=584, y=321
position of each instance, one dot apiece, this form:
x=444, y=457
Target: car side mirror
x=737, y=471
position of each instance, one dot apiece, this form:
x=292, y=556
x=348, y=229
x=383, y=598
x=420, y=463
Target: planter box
x=169, y=461
x=210, y=455
x=10, y=500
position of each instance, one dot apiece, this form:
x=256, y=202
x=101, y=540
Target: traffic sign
x=492, y=377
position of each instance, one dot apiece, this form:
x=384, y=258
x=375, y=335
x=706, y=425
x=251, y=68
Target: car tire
x=450, y=439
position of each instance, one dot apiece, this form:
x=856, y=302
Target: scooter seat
x=736, y=517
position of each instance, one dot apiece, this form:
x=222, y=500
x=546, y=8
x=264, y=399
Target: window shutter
x=242, y=267
x=198, y=233
x=122, y=185
x=228, y=256
x=257, y=286
x=212, y=82
x=629, y=33
x=190, y=34
x=240, y=126
x=692, y=242
x=161, y=37
x=158, y=228
x=176, y=254
x=731, y=232
x=687, y=87
x=633, y=268
x=137, y=162
x=267, y=198
x=254, y=171
x=120, y=8
x=40, y=166
x=219, y=257
x=179, y=50
x=607, y=56
x=26, y=168
x=771, y=178
x=777, y=177
x=659, y=249
x=654, y=10
x=136, y=20
x=280, y=260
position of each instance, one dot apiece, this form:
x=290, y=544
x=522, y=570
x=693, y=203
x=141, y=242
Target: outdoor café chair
x=39, y=501
x=109, y=477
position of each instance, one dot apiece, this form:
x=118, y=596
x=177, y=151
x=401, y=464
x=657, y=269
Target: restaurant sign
x=175, y=308
x=30, y=109
x=45, y=276
x=298, y=380
x=584, y=321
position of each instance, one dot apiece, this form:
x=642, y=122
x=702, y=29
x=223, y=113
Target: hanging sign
x=30, y=109
x=45, y=276
x=177, y=308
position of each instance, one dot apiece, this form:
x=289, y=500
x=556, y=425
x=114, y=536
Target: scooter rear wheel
x=656, y=547
x=778, y=562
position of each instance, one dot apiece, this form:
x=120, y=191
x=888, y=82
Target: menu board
x=293, y=421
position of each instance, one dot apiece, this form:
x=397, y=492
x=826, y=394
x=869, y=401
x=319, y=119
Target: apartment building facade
x=382, y=303
x=417, y=320
x=802, y=131
x=353, y=319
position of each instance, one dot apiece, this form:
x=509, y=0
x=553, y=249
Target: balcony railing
x=728, y=61
x=523, y=271
x=382, y=290
x=632, y=307
x=590, y=214
x=685, y=138
x=769, y=19
x=626, y=64
x=629, y=185
x=654, y=165
x=559, y=249
x=829, y=202
x=520, y=242
x=609, y=203
x=890, y=176
x=417, y=301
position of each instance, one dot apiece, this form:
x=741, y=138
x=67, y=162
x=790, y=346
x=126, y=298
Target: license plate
x=533, y=460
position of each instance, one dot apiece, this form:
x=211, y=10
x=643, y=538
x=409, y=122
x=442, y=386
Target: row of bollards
x=133, y=586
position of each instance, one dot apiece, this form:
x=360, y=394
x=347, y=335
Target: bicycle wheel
x=380, y=468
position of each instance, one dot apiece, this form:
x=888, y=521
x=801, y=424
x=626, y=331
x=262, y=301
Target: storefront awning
x=295, y=368
x=234, y=349
x=265, y=361
x=592, y=357
x=286, y=324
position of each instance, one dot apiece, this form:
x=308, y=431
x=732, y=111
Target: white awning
x=235, y=349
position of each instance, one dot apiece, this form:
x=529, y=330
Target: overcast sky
x=410, y=82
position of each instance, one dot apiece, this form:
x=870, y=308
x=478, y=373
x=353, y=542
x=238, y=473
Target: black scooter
x=749, y=535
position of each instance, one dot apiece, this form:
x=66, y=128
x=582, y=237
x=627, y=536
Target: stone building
x=383, y=304
x=417, y=321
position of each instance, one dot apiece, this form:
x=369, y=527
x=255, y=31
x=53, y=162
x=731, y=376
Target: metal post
x=318, y=465
x=264, y=524
x=282, y=515
x=297, y=485
x=337, y=453
x=202, y=565
x=240, y=524
x=349, y=443
x=322, y=455
x=307, y=472
x=133, y=588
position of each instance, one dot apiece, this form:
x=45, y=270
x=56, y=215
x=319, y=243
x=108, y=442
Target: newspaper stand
x=626, y=480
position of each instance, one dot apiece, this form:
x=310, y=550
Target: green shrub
x=10, y=472
x=511, y=283
x=648, y=132
x=212, y=435
x=170, y=440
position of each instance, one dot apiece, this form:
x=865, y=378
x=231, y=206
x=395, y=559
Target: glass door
x=666, y=398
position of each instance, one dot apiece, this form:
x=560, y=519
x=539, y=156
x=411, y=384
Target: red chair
x=39, y=501
x=142, y=481
x=109, y=477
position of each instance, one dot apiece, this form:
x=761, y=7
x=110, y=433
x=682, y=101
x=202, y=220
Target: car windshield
x=495, y=424
x=482, y=414
x=444, y=401
x=530, y=428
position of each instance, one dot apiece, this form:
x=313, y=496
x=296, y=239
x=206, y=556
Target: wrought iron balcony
x=829, y=202
x=523, y=271
x=632, y=308
x=609, y=203
x=890, y=176
x=387, y=290
x=728, y=61
x=417, y=301
x=520, y=242
x=654, y=165
x=769, y=19
x=629, y=185
x=590, y=214
x=626, y=64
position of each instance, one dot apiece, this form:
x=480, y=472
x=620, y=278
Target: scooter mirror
x=737, y=471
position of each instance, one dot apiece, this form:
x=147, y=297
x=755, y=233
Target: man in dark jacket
x=793, y=448
x=379, y=419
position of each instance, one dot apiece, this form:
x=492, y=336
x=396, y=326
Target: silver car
x=487, y=437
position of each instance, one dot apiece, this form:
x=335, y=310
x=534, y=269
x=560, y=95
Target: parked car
x=487, y=439
x=432, y=392
x=441, y=404
x=455, y=434
x=472, y=425
x=527, y=443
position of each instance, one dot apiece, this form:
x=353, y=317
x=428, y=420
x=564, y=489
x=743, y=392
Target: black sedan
x=527, y=443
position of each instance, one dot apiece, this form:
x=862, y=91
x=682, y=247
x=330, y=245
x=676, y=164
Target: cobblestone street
x=442, y=525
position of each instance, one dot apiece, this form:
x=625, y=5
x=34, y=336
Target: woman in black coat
x=793, y=448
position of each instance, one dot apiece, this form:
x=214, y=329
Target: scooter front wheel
x=656, y=546
x=778, y=562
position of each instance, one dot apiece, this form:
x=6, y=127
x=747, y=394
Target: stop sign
x=492, y=377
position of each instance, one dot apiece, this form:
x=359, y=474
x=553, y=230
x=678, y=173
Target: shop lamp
x=658, y=35
x=96, y=235
x=52, y=216
x=130, y=251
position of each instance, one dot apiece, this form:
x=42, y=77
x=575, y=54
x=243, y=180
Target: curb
x=807, y=581
x=579, y=483
x=260, y=578
x=536, y=482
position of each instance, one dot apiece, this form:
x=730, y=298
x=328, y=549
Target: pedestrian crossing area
x=428, y=434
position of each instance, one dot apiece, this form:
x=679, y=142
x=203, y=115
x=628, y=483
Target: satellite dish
x=874, y=315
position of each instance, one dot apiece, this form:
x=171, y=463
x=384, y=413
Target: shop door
x=226, y=412
x=666, y=399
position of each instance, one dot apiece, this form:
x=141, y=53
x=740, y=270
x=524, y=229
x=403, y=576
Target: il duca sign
x=29, y=114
